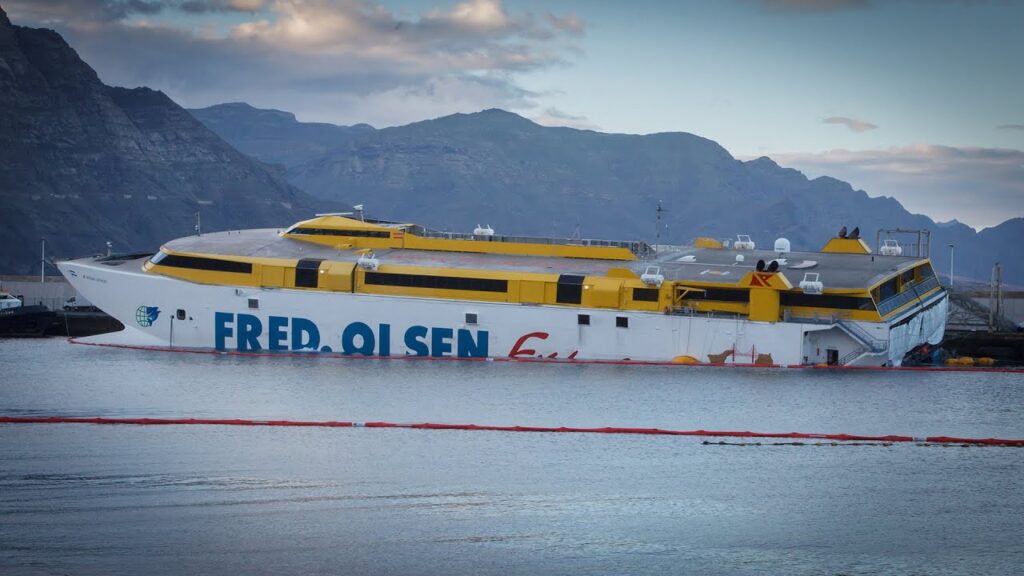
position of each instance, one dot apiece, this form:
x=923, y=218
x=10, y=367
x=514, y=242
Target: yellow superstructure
x=421, y=264
x=342, y=233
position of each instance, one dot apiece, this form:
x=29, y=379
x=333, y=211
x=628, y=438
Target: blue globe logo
x=146, y=315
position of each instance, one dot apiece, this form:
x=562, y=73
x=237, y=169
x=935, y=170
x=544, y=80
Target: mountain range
x=83, y=164
x=495, y=167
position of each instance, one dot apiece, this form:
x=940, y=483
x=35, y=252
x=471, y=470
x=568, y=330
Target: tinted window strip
x=439, y=282
x=334, y=232
x=826, y=301
x=211, y=264
x=726, y=295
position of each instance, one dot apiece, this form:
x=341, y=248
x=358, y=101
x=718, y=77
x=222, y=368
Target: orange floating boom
x=487, y=428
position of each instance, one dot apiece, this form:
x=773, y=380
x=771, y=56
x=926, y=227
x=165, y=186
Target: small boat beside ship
x=75, y=319
x=354, y=286
x=17, y=320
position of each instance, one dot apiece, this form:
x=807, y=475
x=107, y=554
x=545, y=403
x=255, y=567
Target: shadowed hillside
x=84, y=163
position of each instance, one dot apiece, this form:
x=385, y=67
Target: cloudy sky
x=922, y=100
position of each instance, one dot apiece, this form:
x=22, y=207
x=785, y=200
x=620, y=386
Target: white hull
x=166, y=312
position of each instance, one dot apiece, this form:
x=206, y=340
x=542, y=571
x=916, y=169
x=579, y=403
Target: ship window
x=887, y=290
x=907, y=278
x=583, y=319
x=570, y=289
x=470, y=318
x=439, y=282
x=645, y=294
x=211, y=264
x=826, y=301
x=333, y=232
x=180, y=314
x=621, y=322
x=926, y=272
x=307, y=273
x=727, y=295
x=254, y=303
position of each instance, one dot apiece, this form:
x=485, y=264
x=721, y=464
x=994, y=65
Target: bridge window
x=621, y=322
x=198, y=263
x=907, y=278
x=583, y=319
x=887, y=290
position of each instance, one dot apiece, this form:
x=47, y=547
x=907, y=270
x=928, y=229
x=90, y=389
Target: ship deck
x=842, y=271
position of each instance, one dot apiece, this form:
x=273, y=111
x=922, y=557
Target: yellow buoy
x=685, y=360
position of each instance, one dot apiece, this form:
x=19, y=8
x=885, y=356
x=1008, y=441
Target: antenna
x=657, y=231
x=199, y=225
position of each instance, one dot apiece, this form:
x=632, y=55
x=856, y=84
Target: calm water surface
x=80, y=499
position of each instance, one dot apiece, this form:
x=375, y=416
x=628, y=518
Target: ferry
x=349, y=285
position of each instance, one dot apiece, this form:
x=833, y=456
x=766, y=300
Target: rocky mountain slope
x=495, y=167
x=83, y=163
x=273, y=135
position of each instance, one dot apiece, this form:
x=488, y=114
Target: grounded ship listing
x=354, y=286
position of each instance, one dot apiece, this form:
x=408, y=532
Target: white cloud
x=854, y=124
x=483, y=14
x=555, y=117
x=318, y=58
x=814, y=5
x=979, y=186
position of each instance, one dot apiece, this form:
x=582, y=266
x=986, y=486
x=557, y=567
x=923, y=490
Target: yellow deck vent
x=706, y=242
x=846, y=246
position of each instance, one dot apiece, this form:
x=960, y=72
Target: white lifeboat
x=811, y=284
x=743, y=242
x=652, y=276
x=368, y=262
x=890, y=248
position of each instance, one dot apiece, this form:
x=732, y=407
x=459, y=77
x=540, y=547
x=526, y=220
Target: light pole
x=951, y=247
x=42, y=263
